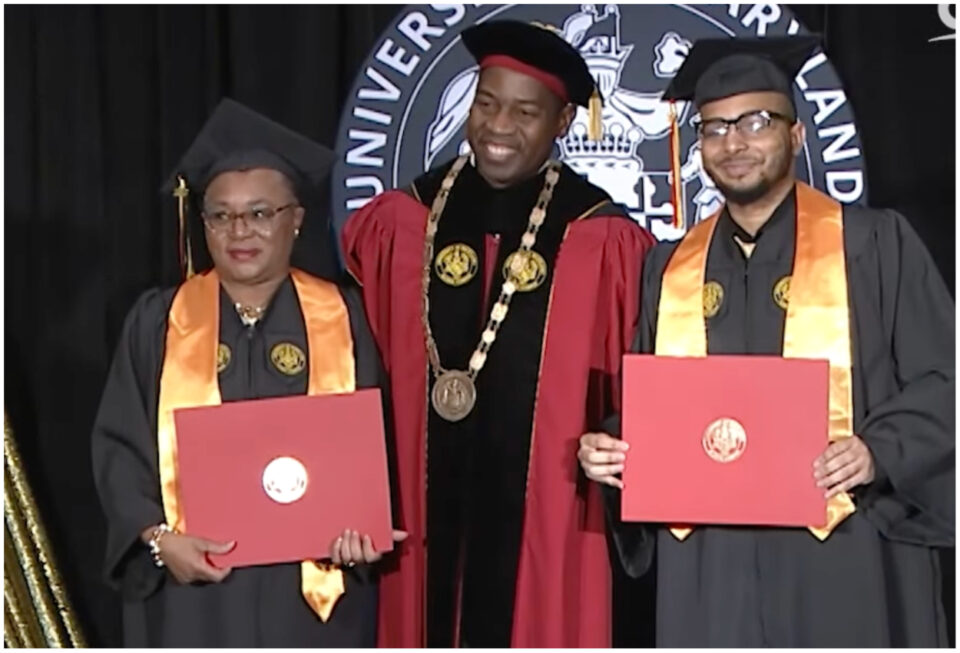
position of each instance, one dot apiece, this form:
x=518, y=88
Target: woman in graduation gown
x=269, y=331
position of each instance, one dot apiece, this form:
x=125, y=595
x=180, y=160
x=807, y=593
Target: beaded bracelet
x=154, y=542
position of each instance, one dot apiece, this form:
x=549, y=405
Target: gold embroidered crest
x=781, y=292
x=712, y=298
x=527, y=269
x=223, y=357
x=456, y=264
x=288, y=358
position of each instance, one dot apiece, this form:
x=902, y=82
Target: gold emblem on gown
x=288, y=358
x=456, y=264
x=712, y=298
x=781, y=292
x=223, y=357
x=527, y=269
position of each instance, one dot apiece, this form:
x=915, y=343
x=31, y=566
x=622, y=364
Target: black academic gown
x=254, y=606
x=876, y=580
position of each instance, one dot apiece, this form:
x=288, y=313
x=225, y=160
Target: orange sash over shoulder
x=817, y=323
x=189, y=378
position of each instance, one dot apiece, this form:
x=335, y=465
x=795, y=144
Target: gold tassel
x=676, y=188
x=181, y=192
x=595, y=122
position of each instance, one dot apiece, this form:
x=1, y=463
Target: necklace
x=249, y=315
x=455, y=391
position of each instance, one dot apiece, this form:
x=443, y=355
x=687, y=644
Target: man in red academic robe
x=502, y=290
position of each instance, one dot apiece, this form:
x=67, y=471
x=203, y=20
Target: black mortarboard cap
x=538, y=47
x=236, y=137
x=718, y=68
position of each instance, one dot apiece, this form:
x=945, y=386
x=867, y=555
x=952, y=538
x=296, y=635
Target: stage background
x=101, y=101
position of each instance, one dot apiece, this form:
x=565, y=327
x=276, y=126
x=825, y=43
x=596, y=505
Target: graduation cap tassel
x=595, y=118
x=181, y=192
x=676, y=188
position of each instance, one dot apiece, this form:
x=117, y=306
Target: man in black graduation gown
x=249, y=174
x=875, y=578
x=515, y=550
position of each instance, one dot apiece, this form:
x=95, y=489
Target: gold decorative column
x=36, y=612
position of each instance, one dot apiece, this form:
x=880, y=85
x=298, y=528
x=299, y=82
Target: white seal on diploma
x=285, y=479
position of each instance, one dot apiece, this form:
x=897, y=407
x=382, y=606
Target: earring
x=296, y=232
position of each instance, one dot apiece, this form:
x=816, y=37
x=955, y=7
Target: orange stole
x=817, y=324
x=189, y=378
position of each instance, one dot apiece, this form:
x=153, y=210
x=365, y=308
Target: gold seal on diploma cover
x=454, y=395
x=527, y=269
x=725, y=440
x=781, y=292
x=285, y=479
x=288, y=358
x=223, y=357
x=456, y=264
x=712, y=298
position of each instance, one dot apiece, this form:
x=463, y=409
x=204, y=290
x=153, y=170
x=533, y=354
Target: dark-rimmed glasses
x=750, y=124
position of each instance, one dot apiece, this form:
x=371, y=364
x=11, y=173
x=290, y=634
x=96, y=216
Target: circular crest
x=285, y=479
x=454, y=395
x=725, y=440
x=223, y=357
x=527, y=269
x=712, y=298
x=288, y=358
x=781, y=292
x=456, y=264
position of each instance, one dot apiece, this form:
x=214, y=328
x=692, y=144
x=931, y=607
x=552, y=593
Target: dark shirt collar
x=782, y=213
x=772, y=236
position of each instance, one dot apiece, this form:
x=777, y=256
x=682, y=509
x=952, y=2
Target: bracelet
x=154, y=543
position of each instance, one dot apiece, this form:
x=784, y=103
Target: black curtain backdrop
x=101, y=102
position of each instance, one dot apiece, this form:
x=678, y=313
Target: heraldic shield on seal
x=285, y=479
x=724, y=440
x=408, y=107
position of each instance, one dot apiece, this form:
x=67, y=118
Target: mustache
x=738, y=159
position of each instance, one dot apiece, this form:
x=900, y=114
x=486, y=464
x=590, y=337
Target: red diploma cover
x=724, y=440
x=284, y=477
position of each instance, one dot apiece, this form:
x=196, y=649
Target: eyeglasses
x=260, y=219
x=750, y=124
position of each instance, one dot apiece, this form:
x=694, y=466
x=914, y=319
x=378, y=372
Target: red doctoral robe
x=562, y=592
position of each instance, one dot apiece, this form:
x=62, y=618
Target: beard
x=779, y=168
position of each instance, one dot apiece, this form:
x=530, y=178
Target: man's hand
x=845, y=464
x=186, y=558
x=351, y=547
x=601, y=456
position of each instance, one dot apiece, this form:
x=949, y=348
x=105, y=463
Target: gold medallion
x=527, y=269
x=781, y=292
x=454, y=395
x=223, y=357
x=724, y=440
x=456, y=264
x=712, y=298
x=288, y=358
